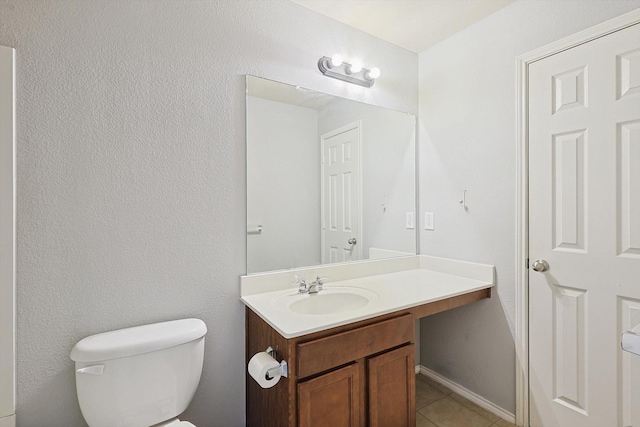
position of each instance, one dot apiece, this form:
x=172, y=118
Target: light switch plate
x=410, y=222
x=428, y=221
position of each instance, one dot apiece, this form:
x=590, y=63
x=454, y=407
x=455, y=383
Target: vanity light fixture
x=356, y=67
x=352, y=73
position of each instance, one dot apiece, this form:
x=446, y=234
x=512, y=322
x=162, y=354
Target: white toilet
x=140, y=377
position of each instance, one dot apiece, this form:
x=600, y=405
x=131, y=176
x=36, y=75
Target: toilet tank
x=139, y=376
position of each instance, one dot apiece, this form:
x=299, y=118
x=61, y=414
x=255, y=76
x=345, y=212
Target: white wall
x=388, y=171
x=283, y=185
x=467, y=141
x=7, y=236
x=131, y=172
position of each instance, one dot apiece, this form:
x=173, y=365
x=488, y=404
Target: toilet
x=140, y=377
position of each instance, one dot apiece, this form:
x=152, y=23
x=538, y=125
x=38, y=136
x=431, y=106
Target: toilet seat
x=175, y=423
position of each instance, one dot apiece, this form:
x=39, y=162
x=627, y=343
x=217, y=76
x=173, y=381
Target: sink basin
x=330, y=300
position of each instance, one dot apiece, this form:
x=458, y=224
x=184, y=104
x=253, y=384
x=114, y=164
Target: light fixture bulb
x=374, y=73
x=356, y=67
x=336, y=60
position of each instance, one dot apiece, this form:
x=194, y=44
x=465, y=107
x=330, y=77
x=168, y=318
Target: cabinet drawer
x=335, y=350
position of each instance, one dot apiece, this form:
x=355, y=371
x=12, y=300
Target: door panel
x=629, y=188
x=331, y=399
x=569, y=309
x=584, y=220
x=391, y=388
x=569, y=158
x=629, y=365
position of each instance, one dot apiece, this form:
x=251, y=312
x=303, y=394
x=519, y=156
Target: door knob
x=540, y=265
x=352, y=241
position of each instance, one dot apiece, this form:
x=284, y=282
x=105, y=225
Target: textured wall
x=467, y=141
x=131, y=172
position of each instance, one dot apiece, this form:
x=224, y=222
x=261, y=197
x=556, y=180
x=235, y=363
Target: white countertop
x=395, y=291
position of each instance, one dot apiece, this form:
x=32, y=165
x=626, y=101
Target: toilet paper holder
x=282, y=370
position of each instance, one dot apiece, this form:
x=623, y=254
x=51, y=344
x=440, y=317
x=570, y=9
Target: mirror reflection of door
x=285, y=182
x=341, y=194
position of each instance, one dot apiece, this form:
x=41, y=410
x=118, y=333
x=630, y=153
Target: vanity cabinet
x=380, y=393
x=355, y=375
x=375, y=386
x=352, y=376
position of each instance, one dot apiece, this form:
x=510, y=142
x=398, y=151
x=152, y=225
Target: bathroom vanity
x=349, y=348
x=349, y=364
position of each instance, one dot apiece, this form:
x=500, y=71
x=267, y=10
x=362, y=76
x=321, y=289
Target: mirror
x=328, y=179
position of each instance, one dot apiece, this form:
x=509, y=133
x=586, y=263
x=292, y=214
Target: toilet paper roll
x=259, y=364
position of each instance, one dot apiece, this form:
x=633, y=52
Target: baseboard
x=467, y=394
x=9, y=421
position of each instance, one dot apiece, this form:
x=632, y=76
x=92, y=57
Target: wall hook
x=463, y=202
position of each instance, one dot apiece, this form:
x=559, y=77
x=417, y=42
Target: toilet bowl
x=143, y=376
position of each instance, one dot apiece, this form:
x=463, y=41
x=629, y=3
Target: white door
x=341, y=195
x=584, y=221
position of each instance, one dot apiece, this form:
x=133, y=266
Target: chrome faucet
x=303, y=288
x=310, y=288
x=315, y=287
x=318, y=284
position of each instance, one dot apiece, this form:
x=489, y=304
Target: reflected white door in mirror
x=341, y=237
x=302, y=212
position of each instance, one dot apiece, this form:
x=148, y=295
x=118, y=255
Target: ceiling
x=412, y=24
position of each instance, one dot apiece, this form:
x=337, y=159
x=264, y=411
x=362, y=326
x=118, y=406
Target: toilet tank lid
x=137, y=340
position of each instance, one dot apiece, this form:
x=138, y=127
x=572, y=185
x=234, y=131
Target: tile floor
x=437, y=406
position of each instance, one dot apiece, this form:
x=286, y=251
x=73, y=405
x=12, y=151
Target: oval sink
x=328, y=301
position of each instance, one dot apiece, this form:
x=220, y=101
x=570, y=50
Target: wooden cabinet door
x=392, y=388
x=332, y=399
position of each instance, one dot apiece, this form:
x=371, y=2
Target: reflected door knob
x=540, y=265
x=352, y=241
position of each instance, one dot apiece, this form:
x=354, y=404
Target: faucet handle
x=302, y=284
x=320, y=281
